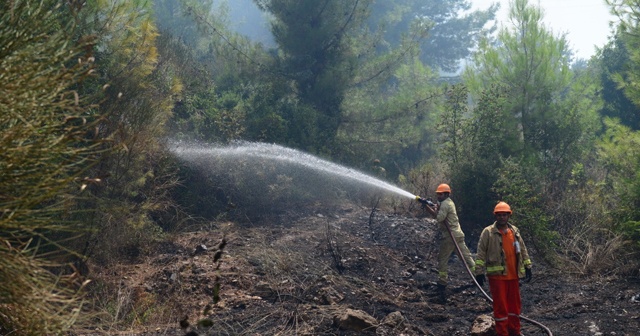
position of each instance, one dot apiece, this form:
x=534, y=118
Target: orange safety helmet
x=502, y=207
x=443, y=188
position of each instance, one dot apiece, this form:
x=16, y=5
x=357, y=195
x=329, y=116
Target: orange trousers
x=506, y=306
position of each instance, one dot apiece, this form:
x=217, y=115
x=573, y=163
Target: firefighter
x=446, y=214
x=503, y=256
x=378, y=169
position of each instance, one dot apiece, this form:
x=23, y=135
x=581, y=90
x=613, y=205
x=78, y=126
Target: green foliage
x=225, y=77
x=391, y=123
x=533, y=65
x=514, y=186
x=473, y=147
x=315, y=41
x=452, y=123
x=47, y=148
x=613, y=62
x=532, y=112
x=492, y=134
x=452, y=34
x=591, y=243
x=276, y=115
x=139, y=90
x=570, y=126
x=619, y=151
x=212, y=116
x=632, y=230
x=628, y=78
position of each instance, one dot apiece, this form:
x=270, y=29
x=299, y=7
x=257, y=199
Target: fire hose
x=459, y=252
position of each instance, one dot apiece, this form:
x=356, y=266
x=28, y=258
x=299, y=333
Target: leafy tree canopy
x=455, y=33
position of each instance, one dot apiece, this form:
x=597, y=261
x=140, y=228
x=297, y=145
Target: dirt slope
x=294, y=274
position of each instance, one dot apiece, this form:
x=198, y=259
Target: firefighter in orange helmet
x=446, y=215
x=503, y=256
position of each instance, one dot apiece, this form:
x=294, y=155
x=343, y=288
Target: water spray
x=196, y=152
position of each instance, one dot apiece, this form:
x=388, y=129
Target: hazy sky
x=586, y=22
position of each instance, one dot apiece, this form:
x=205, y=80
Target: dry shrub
x=118, y=307
x=47, y=148
x=589, y=243
x=421, y=181
x=424, y=180
x=596, y=251
x=34, y=300
x=124, y=237
x=278, y=262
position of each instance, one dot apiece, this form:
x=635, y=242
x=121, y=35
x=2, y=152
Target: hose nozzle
x=425, y=201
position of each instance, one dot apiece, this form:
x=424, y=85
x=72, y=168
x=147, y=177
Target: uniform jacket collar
x=494, y=227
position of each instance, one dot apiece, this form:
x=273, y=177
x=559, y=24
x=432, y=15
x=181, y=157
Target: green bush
x=521, y=189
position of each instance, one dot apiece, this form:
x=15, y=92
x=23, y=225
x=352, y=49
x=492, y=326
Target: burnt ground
x=293, y=275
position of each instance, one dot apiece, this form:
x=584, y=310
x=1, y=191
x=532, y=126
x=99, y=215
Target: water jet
x=217, y=154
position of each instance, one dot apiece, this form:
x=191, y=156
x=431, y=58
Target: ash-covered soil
x=292, y=275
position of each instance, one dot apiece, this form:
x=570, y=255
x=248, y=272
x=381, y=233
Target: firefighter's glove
x=480, y=279
x=527, y=274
